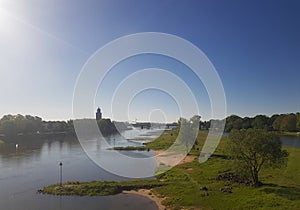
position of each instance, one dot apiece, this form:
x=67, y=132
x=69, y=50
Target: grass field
x=182, y=184
x=281, y=189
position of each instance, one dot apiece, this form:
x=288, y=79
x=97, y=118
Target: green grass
x=164, y=141
x=99, y=188
x=181, y=184
x=281, y=189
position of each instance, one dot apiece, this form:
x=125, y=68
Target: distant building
x=98, y=114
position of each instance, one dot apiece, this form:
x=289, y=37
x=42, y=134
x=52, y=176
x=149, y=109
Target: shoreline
x=148, y=194
x=297, y=134
x=102, y=188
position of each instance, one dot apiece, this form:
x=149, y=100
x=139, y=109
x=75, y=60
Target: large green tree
x=253, y=149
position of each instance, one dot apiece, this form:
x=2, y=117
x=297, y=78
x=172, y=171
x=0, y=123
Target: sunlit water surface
x=34, y=164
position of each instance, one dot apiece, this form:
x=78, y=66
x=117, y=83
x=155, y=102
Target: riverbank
x=99, y=188
x=130, y=148
x=150, y=195
x=105, y=188
x=191, y=185
x=291, y=134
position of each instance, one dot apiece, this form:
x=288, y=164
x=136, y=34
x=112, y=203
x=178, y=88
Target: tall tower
x=98, y=114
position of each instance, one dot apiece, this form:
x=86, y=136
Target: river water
x=291, y=141
x=34, y=164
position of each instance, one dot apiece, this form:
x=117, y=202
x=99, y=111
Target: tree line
x=15, y=125
x=277, y=122
x=11, y=125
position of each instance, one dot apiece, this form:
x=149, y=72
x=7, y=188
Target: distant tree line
x=16, y=125
x=13, y=125
x=107, y=127
x=278, y=122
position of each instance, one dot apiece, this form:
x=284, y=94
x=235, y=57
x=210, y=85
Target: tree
x=254, y=149
x=8, y=128
x=288, y=122
x=285, y=122
x=298, y=121
x=233, y=122
x=273, y=118
x=204, y=125
x=246, y=123
x=260, y=122
x=277, y=122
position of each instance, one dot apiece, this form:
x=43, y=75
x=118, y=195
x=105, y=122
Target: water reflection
x=34, y=164
x=33, y=148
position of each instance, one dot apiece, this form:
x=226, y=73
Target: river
x=35, y=164
x=291, y=141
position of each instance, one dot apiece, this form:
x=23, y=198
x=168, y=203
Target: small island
x=99, y=188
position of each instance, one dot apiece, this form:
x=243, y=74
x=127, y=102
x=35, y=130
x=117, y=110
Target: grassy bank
x=194, y=186
x=130, y=148
x=99, y=188
x=281, y=189
x=291, y=133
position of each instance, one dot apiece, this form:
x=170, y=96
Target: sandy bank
x=149, y=194
x=172, y=159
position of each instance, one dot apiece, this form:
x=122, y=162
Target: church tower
x=98, y=114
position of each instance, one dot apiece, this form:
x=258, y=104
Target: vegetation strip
x=99, y=188
x=130, y=148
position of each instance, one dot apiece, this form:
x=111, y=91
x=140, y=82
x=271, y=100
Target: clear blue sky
x=254, y=46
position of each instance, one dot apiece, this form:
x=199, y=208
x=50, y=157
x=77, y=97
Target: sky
x=253, y=45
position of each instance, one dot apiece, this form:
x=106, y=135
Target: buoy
x=17, y=145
